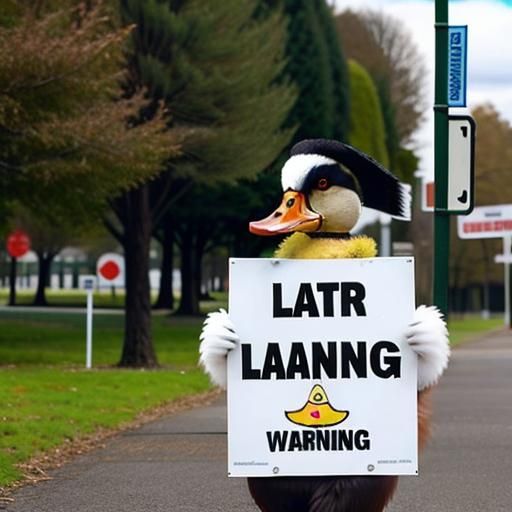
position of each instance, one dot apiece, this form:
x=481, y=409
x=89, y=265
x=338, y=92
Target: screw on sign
x=110, y=270
x=18, y=244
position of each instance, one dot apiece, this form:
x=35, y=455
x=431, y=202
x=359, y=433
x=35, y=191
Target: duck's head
x=326, y=184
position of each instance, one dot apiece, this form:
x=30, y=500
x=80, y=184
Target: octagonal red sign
x=18, y=244
x=109, y=270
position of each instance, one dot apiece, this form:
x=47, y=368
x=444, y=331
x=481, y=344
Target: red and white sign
x=110, y=270
x=486, y=222
x=18, y=244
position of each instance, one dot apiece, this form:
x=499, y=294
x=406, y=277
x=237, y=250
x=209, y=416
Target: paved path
x=178, y=463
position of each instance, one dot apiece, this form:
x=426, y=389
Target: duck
x=325, y=185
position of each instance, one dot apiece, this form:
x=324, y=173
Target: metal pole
x=441, y=217
x=88, y=355
x=507, y=240
x=385, y=236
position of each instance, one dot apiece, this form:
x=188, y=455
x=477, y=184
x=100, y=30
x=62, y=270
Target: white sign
x=461, y=149
x=110, y=270
x=87, y=282
x=322, y=382
x=503, y=258
x=486, y=222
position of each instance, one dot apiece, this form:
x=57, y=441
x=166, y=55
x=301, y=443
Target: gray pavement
x=178, y=463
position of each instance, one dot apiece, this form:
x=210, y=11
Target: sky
x=489, y=53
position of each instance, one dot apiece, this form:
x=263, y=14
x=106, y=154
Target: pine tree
x=316, y=65
x=317, y=68
x=339, y=71
x=309, y=68
x=215, y=67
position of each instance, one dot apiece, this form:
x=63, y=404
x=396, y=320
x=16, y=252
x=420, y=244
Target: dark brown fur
x=334, y=493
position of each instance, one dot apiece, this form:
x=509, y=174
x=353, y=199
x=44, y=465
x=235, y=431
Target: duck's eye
x=323, y=184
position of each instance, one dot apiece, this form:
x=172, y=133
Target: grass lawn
x=47, y=396
x=467, y=328
x=102, y=299
x=71, y=298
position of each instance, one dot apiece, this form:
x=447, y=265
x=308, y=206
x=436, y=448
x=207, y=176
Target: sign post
x=323, y=360
x=493, y=222
x=507, y=260
x=453, y=191
x=441, y=216
x=89, y=283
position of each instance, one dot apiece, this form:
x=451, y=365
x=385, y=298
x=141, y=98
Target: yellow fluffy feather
x=301, y=246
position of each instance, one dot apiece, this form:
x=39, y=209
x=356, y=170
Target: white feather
x=297, y=167
x=218, y=337
x=405, y=201
x=428, y=337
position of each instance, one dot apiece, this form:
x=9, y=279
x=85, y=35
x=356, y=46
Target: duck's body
x=325, y=184
x=330, y=494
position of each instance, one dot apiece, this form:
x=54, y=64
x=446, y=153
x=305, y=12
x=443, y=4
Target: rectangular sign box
x=486, y=222
x=461, y=168
x=457, y=65
x=461, y=164
x=322, y=381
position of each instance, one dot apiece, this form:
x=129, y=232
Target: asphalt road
x=178, y=463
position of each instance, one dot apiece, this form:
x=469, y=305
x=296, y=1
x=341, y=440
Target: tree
x=316, y=65
x=165, y=237
x=47, y=239
x=62, y=124
x=339, y=70
x=383, y=45
x=68, y=139
x=366, y=121
x=215, y=67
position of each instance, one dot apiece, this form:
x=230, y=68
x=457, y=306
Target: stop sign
x=18, y=244
x=110, y=269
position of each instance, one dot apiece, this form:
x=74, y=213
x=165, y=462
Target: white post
x=385, y=235
x=88, y=356
x=507, y=240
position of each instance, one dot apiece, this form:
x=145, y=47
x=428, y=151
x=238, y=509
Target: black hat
x=380, y=189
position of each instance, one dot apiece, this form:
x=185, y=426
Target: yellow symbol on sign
x=317, y=412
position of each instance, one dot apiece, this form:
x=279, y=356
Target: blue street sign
x=457, y=65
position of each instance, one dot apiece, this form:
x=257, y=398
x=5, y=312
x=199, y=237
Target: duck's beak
x=292, y=215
